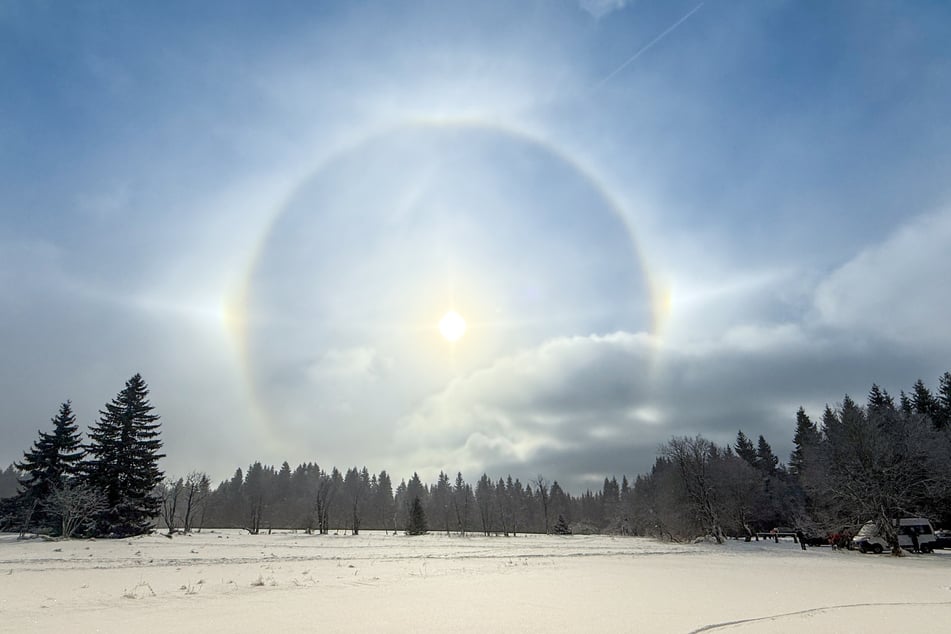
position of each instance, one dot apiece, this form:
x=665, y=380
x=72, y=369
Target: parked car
x=942, y=539
x=909, y=529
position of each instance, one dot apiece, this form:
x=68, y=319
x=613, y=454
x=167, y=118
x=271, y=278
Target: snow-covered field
x=285, y=582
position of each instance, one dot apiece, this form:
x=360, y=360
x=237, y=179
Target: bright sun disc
x=452, y=326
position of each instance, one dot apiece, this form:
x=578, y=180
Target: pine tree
x=610, y=502
x=879, y=400
x=417, y=519
x=923, y=402
x=515, y=501
x=806, y=437
x=745, y=449
x=766, y=460
x=905, y=403
x=485, y=502
x=52, y=462
x=384, y=493
x=561, y=526
x=943, y=419
x=123, y=462
x=559, y=502
x=462, y=502
x=440, y=502
x=830, y=423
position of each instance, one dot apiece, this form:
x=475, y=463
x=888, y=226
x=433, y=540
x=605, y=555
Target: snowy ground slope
x=232, y=581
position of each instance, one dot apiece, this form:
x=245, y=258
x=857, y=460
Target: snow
x=291, y=582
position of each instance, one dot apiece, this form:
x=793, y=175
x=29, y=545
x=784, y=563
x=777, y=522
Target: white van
x=909, y=529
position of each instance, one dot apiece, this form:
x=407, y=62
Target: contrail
x=647, y=47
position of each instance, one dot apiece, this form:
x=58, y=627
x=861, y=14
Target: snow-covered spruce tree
x=744, y=448
x=123, y=460
x=561, y=526
x=53, y=461
x=416, y=525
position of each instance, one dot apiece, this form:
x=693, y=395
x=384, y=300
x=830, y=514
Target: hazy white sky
x=656, y=218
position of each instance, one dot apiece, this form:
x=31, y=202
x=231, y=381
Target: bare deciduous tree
x=326, y=492
x=195, y=491
x=693, y=457
x=170, y=493
x=541, y=484
x=743, y=495
x=75, y=505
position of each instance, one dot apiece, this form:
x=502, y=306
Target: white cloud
x=600, y=8
x=897, y=289
x=362, y=363
x=765, y=338
x=708, y=300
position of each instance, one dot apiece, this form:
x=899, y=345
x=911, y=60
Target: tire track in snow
x=829, y=608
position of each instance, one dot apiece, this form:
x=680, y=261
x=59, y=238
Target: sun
x=452, y=326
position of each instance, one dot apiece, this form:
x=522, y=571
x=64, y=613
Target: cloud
x=546, y=387
x=361, y=363
x=611, y=400
x=897, y=289
x=600, y=8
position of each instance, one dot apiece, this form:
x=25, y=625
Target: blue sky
x=658, y=218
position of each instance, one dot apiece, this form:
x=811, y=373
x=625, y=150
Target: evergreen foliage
x=943, y=409
x=484, y=495
x=440, y=503
x=924, y=403
x=122, y=464
x=806, y=438
x=416, y=525
x=383, y=498
x=744, y=448
x=766, y=460
x=879, y=400
x=561, y=526
x=54, y=457
x=905, y=403
x=52, y=462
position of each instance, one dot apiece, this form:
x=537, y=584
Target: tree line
x=874, y=462
x=314, y=499
x=877, y=461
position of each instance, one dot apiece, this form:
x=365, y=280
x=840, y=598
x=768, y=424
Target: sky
x=656, y=218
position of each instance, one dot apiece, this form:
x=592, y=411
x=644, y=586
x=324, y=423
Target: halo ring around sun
x=237, y=315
